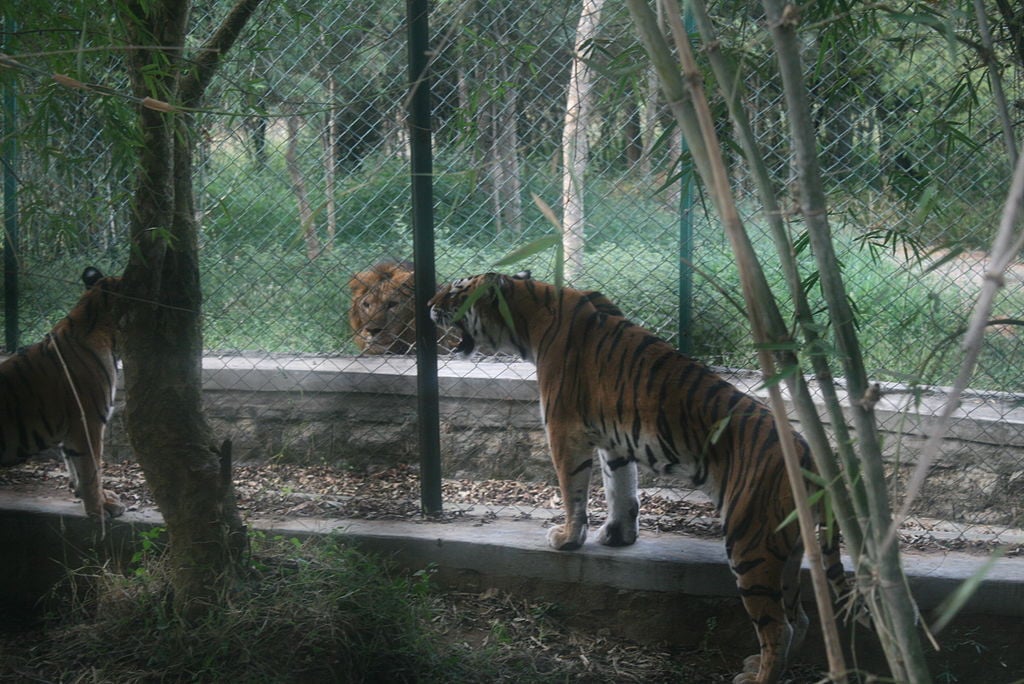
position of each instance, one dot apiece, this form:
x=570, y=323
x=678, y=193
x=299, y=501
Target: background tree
x=575, y=147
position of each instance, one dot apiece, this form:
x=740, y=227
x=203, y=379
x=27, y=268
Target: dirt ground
x=288, y=490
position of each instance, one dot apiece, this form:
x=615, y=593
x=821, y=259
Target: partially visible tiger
x=610, y=385
x=60, y=392
x=383, y=310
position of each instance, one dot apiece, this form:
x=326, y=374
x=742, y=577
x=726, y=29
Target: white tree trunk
x=575, y=149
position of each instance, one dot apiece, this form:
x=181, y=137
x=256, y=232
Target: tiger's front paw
x=112, y=504
x=561, y=539
x=751, y=671
x=617, y=534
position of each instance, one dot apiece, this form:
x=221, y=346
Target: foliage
x=904, y=127
x=262, y=296
x=305, y=611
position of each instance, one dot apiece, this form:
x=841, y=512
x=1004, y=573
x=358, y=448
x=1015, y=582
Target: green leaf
x=949, y=256
x=784, y=373
x=529, y=249
x=471, y=300
x=948, y=609
x=924, y=19
x=811, y=500
x=814, y=477
x=548, y=212
x=785, y=345
x=506, y=312
x=718, y=428
x=926, y=203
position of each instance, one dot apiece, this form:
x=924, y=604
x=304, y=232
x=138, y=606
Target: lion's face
x=382, y=314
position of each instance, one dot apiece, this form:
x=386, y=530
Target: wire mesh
x=302, y=188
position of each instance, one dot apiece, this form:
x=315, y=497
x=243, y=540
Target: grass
x=319, y=610
x=262, y=294
x=305, y=611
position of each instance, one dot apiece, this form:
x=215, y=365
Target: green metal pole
x=686, y=236
x=10, y=163
x=420, y=151
x=686, y=256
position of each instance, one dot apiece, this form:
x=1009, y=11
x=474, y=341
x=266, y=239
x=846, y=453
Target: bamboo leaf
x=718, y=428
x=786, y=345
x=814, y=477
x=470, y=300
x=926, y=204
x=529, y=249
x=791, y=518
x=784, y=373
x=948, y=609
x=929, y=20
x=548, y=212
x=949, y=256
x=504, y=310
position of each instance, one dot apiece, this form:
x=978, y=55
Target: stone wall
x=361, y=413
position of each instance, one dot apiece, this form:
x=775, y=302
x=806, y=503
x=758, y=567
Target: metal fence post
x=10, y=163
x=686, y=236
x=421, y=162
x=686, y=257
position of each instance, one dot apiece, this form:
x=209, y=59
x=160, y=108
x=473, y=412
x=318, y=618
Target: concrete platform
x=34, y=532
x=666, y=589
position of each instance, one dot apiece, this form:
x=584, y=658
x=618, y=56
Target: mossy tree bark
x=162, y=346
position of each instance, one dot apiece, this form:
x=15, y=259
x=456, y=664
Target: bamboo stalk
x=761, y=309
x=896, y=613
x=850, y=508
x=996, y=81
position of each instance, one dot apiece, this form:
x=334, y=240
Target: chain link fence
x=302, y=187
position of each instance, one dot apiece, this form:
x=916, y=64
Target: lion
x=383, y=309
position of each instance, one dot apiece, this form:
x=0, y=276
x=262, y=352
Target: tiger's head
x=382, y=313
x=478, y=307
x=92, y=318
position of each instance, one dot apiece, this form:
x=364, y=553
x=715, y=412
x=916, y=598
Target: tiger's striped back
x=59, y=392
x=611, y=388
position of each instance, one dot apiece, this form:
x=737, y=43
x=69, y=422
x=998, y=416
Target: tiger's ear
x=522, y=275
x=90, y=276
x=500, y=284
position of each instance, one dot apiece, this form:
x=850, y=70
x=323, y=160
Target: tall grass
x=305, y=611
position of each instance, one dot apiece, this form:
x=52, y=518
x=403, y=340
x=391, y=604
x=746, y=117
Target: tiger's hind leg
x=795, y=613
x=573, y=458
x=760, y=584
x=620, y=490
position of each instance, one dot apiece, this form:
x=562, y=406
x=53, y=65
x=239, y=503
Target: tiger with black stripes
x=60, y=392
x=609, y=385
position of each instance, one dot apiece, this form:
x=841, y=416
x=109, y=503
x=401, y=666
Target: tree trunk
x=575, y=149
x=189, y=475
x=507, y=148
x=291, y=158
x=330, y=161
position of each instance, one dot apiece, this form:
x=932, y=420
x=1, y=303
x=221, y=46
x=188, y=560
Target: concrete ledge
x=42, y=530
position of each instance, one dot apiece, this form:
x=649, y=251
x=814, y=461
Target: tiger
x=382, y=313
x=59, y=392
x=610, y=386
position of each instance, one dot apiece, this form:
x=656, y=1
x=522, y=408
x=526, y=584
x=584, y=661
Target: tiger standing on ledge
x=60, y=392
x=610, y=385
